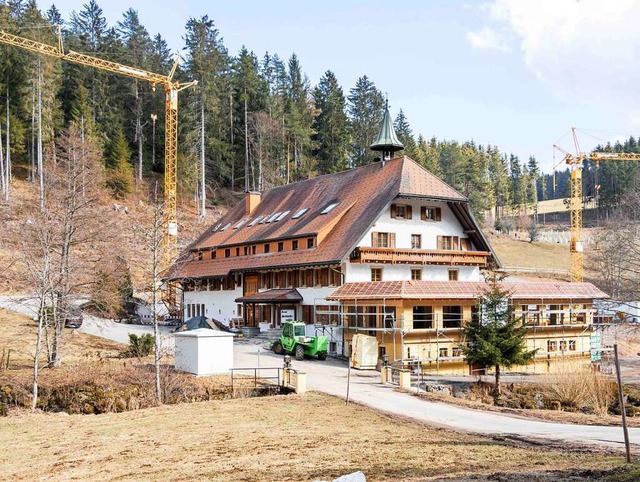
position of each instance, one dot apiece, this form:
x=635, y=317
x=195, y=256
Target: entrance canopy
x=272, y=296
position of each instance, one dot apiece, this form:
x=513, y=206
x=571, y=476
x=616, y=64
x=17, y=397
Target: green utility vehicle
x=294, y=340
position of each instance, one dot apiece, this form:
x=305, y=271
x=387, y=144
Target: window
x=443, y=353
x=282, y=216
x=376, y=274
x=400, y=211
x=456, y=351
x=280, y=246
x=310, y=242
x=299, y=213
x=563, y=345
x=416, y=241
x=430, y=213
x=273, y=217
x=254, y=249
x=389, y=314
x=255, y=221
x=422, y=317
x=227, y=253
x=246, y=250
x=267, y=247
x=572, y=345
x=294, y=245
x=308, y=278
x=451, y=316
x=416, y=274
x=383, y=240
x=335, y=277
x=241, y=223
x=464, y=244
x=329, y=208
x=448, y=243
x=552, y=345
x=322, y=277
x=225, y=226
x=333, y=346
x=453, y=275
x=199, y=255
x=237, y=251
x=213, y=254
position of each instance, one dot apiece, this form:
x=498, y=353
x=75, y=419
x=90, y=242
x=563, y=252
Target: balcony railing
x=419, y=256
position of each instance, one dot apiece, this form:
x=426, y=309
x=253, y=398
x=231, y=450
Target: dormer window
x=329, y=208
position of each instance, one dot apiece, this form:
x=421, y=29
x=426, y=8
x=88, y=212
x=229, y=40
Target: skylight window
x=329, y=208
x=273, y=217
x=264, y=219
x=241, y=223
x=225, y=226
x=282, y=216
x=255, y=221
x=299, y=213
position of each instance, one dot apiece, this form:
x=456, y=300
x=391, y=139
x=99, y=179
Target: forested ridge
x=248, y=109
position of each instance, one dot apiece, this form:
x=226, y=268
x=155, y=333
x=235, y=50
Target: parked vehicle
x=294, y=340
x=73, y=319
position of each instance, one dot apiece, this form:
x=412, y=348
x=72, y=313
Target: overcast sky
x=514, y=73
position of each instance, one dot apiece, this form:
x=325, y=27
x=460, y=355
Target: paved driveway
x=331, y=377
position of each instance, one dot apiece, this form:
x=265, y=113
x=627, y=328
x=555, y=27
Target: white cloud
x=487, y=39
x=586, y=51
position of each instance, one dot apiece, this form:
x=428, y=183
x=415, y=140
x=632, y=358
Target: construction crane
x=575, y=161
x=171, y=89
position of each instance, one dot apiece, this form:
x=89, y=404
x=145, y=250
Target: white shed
x=204, y=351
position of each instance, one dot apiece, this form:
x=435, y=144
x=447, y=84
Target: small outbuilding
x=204, y=352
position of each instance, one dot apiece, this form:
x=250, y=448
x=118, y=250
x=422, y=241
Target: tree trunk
x=7, y=165
x=246, y=146
x=39, y=146
x=3, y=186
x=203, y=199
x=36, y=358
x=497, y=388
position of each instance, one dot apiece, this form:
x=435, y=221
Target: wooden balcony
x=419, y=256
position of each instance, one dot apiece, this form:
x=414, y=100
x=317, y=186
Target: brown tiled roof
x=273, y=296
x=463, y=290
x=362, y=194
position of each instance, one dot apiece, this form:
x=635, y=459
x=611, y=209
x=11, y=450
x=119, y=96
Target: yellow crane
x=171, y=89
x=575, y=161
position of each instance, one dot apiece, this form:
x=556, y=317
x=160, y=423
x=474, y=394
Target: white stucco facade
x=222, y=306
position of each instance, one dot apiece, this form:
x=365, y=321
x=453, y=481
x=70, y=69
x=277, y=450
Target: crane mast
x=576, y=266
x=170, y=222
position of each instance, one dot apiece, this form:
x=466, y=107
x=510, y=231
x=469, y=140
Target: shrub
x=139, y=346
x=580, y=389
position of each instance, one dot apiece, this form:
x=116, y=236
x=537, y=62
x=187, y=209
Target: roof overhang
x=272, y=296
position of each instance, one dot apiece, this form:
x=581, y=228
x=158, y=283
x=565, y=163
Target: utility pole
x=622, y=407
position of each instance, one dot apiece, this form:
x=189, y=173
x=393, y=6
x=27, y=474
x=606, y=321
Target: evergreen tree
x=365, y=108
x=405, y=135
x=496, y=337
x=331, y=125
x=120, y=172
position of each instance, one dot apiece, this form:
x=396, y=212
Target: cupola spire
x=387, y=142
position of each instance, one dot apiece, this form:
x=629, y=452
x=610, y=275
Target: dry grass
x=18, y=333
x=523, y=254
x=276, y=438
x=577, y=388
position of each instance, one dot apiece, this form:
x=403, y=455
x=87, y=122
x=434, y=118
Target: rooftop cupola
x=387, y=142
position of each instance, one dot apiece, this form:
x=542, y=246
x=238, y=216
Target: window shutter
x=423, y=213
x=374, y=240
x=464, y=244
x=408, y=211
x=455, y=243
x=438, y=214
x=440, y=242
x=392, y=240
x=393, y=211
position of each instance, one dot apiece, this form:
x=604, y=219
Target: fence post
x=405, y=379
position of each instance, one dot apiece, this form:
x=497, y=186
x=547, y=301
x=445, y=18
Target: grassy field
x=519, y=253
x=278, y=438
x=18, y=334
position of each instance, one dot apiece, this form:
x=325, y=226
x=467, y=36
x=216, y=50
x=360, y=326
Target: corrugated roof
x=463, y=290
x=361, y=193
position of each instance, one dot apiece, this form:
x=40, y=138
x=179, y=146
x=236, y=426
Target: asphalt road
x=330, y=377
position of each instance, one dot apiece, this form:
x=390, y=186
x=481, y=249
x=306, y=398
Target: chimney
x=252, y=199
